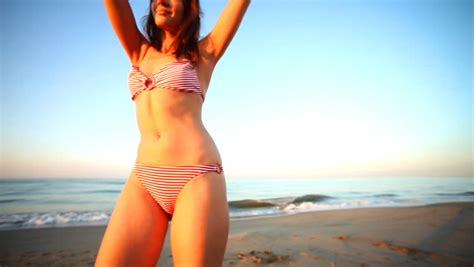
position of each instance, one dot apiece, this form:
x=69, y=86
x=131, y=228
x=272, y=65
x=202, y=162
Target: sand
x=440, y=234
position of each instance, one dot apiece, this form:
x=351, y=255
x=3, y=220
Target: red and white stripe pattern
x=165, y=182
x=177, y=75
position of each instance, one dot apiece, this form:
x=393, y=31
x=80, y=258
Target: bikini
x=165, y=182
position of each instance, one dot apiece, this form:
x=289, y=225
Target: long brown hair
x=186, y=44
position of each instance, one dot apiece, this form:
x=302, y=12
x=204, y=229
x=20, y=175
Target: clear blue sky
x=307, y=88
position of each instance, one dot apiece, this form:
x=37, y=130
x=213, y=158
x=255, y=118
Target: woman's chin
x=160, y=21
x=163, y=23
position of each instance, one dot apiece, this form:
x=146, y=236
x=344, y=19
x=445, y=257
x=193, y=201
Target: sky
x=322, y=88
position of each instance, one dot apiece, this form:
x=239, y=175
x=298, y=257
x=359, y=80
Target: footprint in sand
x=341, y=237
x=418, y=253
x=265, y=256
x=399, y=249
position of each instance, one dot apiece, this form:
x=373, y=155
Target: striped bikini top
x=179, y=75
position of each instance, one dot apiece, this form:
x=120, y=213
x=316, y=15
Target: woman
x=178, y=175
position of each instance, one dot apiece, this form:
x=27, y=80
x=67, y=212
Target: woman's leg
x=200, y=224
x=136, y=230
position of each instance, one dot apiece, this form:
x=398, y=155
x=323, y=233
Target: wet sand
x=440, y=234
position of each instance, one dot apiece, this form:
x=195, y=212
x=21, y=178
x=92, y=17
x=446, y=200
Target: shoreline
x=375, y=236
x=243, y=218
x=343, y=209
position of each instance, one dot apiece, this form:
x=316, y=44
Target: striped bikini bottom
x=165, y=182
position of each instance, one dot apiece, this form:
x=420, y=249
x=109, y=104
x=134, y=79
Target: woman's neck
x=167, y=43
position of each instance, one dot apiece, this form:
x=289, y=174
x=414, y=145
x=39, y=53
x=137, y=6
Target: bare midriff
x=171, y=130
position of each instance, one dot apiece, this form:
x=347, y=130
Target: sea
x=39, y=203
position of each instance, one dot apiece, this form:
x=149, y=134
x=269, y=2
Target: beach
x=438, y=234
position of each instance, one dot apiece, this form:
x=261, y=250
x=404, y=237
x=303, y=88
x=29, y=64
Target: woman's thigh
x=200, y=224
x=136, y=229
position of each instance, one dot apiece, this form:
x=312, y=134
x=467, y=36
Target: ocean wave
x=276, y=202
x=309, y=206
x=310, y=198
x=385, y=195
x=467, y=193
x=52, y=219
x=250, y=203
x=11, y=200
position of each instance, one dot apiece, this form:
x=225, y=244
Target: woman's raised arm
x=217, y=41
x=123, y=23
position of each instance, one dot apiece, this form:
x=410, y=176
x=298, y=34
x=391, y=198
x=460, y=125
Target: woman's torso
x=171, y=129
